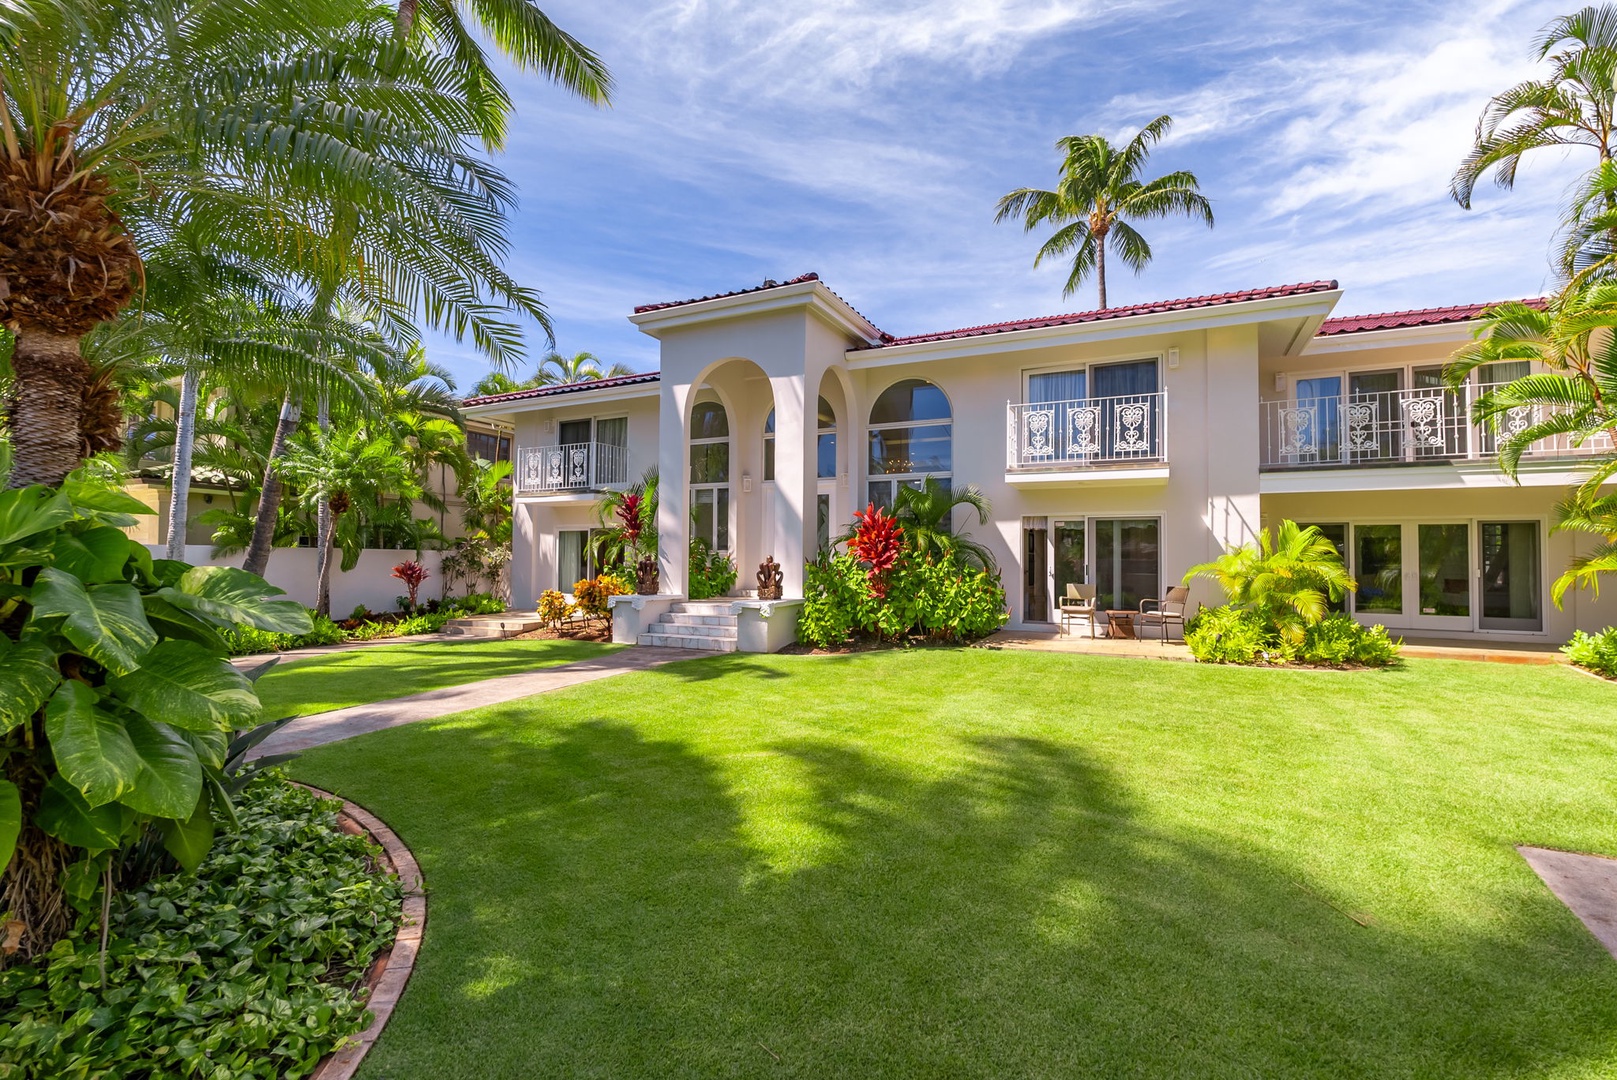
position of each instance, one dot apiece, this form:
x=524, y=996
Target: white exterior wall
x=370, y=582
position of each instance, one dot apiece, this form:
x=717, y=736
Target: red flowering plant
x=412, y=574
x=877, y=542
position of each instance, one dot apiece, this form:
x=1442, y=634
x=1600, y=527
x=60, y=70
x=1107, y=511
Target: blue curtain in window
x=1119, y=380
x=1048, y=386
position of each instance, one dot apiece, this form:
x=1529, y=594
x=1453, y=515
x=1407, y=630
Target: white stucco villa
x=1118, y=447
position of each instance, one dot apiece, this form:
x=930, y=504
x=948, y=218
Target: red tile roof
x=566, y=388
x=1155, y=307
x=643, y=308
x=1394, y=320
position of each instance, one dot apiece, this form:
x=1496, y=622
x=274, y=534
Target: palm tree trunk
x=404, y=21
x=324, y=526
x=179, y=493
x=1100, y=268
x=49, y=378
x=269, y=492
x=328, y=540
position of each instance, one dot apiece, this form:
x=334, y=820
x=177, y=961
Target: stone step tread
x=677, y=630
x=680, y=618
x=676, y=641
x=701, y=607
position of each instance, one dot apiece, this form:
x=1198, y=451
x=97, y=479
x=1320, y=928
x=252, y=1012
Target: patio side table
x=1120, y=624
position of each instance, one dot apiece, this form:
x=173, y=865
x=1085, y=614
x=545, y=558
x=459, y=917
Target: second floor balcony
x=1084, y=434
x=1422, y=426
x=571, y=467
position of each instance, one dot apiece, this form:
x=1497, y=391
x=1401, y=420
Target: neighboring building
x=1119, y=447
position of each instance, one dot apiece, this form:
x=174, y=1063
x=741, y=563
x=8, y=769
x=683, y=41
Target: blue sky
x=869, y=141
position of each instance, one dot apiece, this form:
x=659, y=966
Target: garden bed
x=257, y=965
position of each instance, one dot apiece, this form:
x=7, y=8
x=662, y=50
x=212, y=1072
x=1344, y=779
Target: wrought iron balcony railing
x=1396, y=427
x=1086, y=433
x=587, y=466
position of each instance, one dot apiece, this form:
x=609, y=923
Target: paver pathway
x=321, y=728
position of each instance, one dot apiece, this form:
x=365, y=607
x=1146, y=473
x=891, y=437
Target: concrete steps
x=706, y=625
x=490, y=627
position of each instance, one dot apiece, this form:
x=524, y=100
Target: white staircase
x=695, y=625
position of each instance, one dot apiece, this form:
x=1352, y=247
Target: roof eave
x=1458, y=332
x=814, y=295
x=1313, y=307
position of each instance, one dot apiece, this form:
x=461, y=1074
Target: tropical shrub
x=938, y=600
x=591, y=596
x=1288, y=578
x=622, y=579
x=712, y=573
x=412, y=574
x=1232, y=635
x=247, y=968
x=877, y=542
x=554, y=608
x=247, y=640
x=1597, y=652
x=926, y=514
x=116, y=700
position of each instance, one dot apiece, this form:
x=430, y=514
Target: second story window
x=488, y=445
x=911, y=438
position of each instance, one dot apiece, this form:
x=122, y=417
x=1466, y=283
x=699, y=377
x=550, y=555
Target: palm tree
x=1587, y=510
x=1100, y=192
x=1571, y=343
x=558, y=370
x=1289, y=577
x=523, y=34
x=344, y=468
x=259, y=120
x=629, y=517
x=926, y=514
x=1573, y=105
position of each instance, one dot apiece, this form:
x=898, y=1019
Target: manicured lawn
x=361, y=676
x=975, y=864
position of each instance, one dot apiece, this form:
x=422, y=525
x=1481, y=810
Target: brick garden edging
x=391, y=971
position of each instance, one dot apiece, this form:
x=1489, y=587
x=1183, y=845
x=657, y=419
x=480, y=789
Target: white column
x=795, y=484
x=526, y=538
x=673, y=490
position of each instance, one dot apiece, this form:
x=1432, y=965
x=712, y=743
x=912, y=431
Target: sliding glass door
x=1449, y=575
x=1127, y=562
x=1512, y=576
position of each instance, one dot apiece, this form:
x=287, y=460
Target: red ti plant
x=628, y=512
x=412, y=574
x=877, y=542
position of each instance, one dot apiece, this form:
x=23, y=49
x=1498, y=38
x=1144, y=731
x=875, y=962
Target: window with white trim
x=826, y=451
x=911, y=438
x=710, y=475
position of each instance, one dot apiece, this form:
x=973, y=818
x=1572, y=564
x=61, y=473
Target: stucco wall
x=370, y=582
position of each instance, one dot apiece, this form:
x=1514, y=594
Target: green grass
x=974, y=864
x=361, y=676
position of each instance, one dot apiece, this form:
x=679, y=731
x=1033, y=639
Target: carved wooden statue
x=770, y=576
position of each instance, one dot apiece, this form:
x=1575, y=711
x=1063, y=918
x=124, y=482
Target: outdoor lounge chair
x=1170, y=609
x=1079, y=603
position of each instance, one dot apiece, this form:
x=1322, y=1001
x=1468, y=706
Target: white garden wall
x=370, y=582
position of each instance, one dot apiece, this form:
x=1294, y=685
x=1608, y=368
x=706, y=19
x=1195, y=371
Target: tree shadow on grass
x=603, y=905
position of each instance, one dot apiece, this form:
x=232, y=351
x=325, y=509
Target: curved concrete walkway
x=328, y=727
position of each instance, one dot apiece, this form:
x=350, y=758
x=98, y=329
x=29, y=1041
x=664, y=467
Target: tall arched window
x=911, y=438
x=710, y=474
x=826, y=466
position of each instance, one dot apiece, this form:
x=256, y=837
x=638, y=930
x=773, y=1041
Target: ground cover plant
x=360, y=676
x=1077, y=866
x=247, y=968
x=365, y=625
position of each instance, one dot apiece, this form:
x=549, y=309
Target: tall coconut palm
x=1573, y=105
x=1100, y=192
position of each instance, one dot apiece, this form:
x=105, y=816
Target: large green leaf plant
x=116, y=697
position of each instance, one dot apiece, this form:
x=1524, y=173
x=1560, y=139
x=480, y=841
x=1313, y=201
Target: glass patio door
x=1127, y=563
x=1512, y=576
x=1414, y=576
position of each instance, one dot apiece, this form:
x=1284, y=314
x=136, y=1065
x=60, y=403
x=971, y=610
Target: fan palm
x=1572, y=106
x=1099, y=193
x=926, y=514
x=1289, y=577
